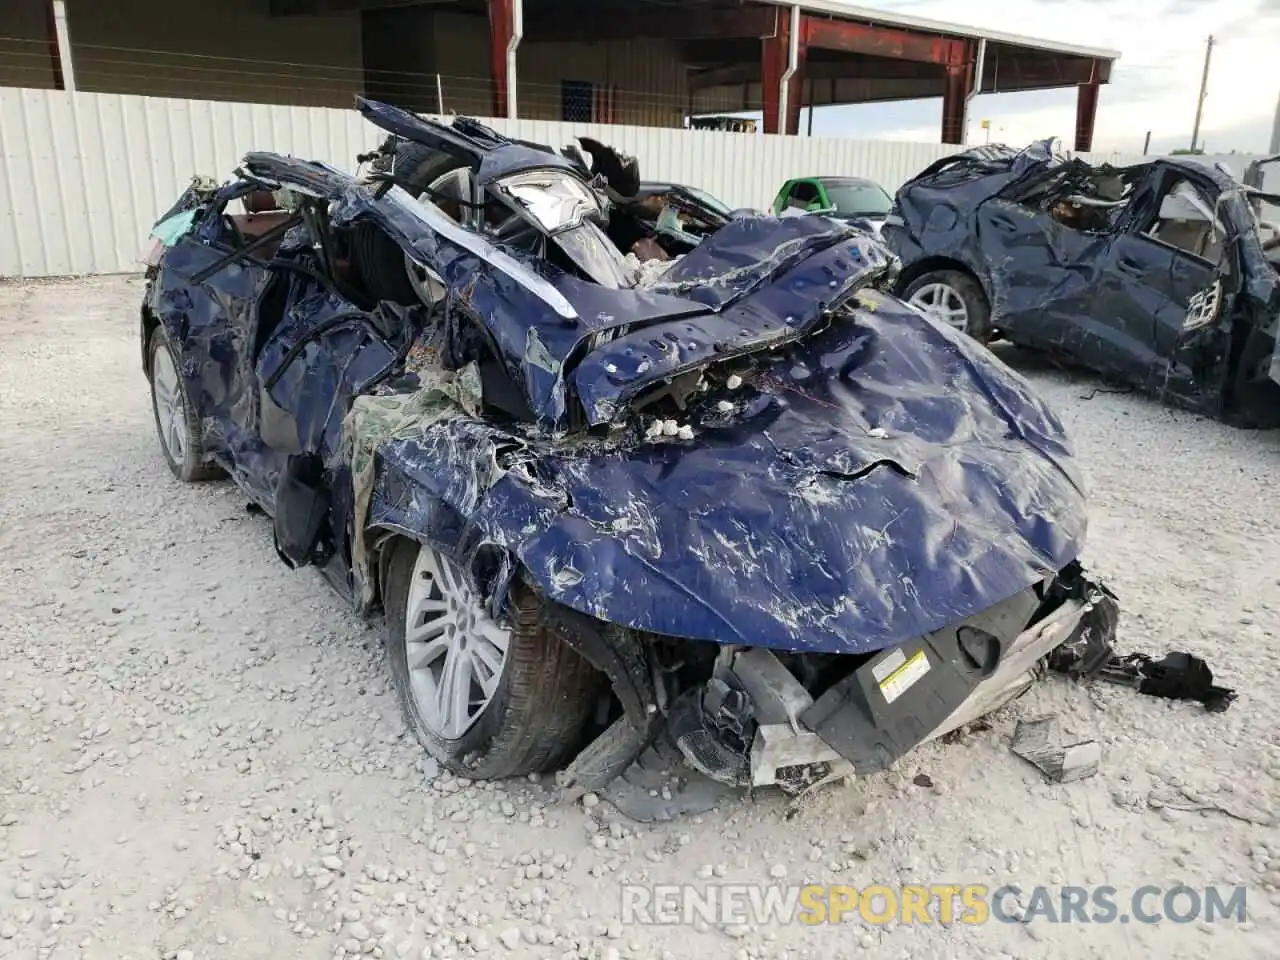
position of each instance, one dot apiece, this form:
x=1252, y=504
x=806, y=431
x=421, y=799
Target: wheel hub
x=455, y=650
x=943, y=303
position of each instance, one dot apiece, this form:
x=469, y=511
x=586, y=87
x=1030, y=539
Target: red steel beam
x=1086, y=114
x=877, y=41
x=955, y=103
x=774, y=57
x=502, y=25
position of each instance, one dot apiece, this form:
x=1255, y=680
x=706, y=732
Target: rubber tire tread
x=546, y=694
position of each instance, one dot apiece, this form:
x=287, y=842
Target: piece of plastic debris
x=654, y=430
x=685, y=432
x=734, y=382
x=1031, y=741
x=724, y=406
x=1179, y=676
x=878, y=432
x=610, y=368
x=670, y=428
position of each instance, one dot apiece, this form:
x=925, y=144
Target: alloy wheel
x=455, y=650
x=942, y=303
x=170, y=407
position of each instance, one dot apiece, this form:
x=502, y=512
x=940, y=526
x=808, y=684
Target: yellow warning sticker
x=900, y=680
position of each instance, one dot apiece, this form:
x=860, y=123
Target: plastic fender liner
x=302, y=511
x=615, y=651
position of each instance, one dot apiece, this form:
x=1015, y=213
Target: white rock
x=510, y=938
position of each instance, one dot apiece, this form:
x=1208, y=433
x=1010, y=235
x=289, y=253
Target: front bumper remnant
x=756, y=724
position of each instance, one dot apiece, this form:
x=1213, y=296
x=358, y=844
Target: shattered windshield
x=858, y=198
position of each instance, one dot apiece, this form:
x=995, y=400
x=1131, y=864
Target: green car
x=848, y=198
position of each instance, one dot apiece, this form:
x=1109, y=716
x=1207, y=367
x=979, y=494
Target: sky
x=1153, y=85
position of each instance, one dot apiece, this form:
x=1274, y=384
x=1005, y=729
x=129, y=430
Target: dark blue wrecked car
x=1155, y=275
x=743, y=500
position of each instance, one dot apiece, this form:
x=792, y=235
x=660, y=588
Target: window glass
x=858, y=198
x=804, y=193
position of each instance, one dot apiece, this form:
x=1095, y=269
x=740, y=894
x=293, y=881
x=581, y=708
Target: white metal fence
x=84, y=175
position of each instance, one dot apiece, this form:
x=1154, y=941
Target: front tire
x=953, y=298
x=177, y=423
x=486, y=700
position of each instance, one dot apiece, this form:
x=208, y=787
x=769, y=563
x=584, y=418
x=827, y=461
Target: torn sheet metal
x=824, y=276
x=1035, y=741
x=1154, y=275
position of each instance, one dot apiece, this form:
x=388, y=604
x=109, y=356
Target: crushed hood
x=769, y=282
x=876, y=481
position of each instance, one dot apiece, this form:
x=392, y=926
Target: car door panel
x=1043, y=276
x=1189, y=276
x=323, y=353
x=1148, y=288
x=209, y=317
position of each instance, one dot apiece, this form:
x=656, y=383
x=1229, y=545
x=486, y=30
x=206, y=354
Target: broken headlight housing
x=556, y=200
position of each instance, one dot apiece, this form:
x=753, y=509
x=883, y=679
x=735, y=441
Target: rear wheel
x=177, y=424
x=487, y=700
x=953, y=298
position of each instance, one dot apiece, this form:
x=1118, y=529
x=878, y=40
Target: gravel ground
x=200, y=754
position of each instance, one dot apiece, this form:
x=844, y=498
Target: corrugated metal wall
x=83, y=176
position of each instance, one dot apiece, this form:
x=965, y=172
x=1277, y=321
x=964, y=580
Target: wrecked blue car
x=743, y=500
x=1154, y=275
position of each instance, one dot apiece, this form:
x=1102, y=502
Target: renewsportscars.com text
x=935, y=903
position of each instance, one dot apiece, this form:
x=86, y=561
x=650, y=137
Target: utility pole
x=1204, y=92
